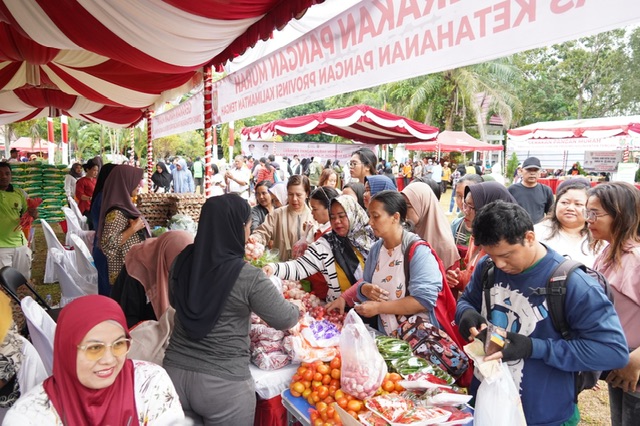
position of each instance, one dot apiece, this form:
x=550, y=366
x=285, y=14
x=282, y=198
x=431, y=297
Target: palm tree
x=455, y=94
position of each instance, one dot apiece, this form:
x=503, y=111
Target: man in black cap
x=534, y=197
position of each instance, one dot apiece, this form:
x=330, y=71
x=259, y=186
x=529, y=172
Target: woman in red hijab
x=93, y=382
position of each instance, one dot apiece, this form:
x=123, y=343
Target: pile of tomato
x=319, y=384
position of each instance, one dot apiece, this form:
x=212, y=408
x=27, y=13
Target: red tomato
x=317, y=377
x=307, y=375
x=342, y=402
x=326, y=379
x=335, y=373
x=335, y=363
x=323, y=392
x=355, y=405
x=323, y=369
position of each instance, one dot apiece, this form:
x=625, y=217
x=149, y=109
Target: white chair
x=84, y=260
x=72, y=284
x=53, y=242
x=74, y=228
x=42, y=330
x=32, y=371
x=82, y=219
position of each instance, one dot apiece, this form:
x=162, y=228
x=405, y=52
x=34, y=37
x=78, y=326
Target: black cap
x=13, y=150
x=531, y=163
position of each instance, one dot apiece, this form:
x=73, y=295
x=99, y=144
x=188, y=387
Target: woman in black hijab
x=100, y=260
x=161, y=178
x=214, y=292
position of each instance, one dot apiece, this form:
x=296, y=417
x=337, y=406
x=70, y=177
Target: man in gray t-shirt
x=535, y=198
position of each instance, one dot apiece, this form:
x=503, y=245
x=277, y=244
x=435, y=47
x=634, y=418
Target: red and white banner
x=382, y=41
x=187, y=116
x=259, y=149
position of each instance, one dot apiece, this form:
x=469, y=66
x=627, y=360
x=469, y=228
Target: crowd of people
x=357, y=234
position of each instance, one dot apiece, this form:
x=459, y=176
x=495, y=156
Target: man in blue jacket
x=541, y=362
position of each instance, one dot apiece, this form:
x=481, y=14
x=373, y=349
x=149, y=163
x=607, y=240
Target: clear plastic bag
x=498, y=401
x=363, y=368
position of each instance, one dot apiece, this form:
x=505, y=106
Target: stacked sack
x=44, y=181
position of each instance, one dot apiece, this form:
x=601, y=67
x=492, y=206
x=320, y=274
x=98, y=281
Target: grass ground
x=594, y=404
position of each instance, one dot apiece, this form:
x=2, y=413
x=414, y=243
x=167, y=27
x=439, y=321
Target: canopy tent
x=603, y=127
x=360, y=123
x=108, y=62
x=560, y=143
x=449, y=141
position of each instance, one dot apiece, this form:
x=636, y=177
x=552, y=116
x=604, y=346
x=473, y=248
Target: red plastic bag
x=26, y=219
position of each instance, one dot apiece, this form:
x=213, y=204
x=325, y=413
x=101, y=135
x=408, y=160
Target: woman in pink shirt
x=613, y=215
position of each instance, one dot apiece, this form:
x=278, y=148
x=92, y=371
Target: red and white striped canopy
x=360, y=123
x=603, y=127
x=109, y=61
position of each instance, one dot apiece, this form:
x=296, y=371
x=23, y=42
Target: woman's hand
x=452, y=277
x=368, y=309
x=626, y=378
x=374, y=292
x=136, y=224
x=268, y=270
x=338, y=304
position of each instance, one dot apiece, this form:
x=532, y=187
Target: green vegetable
x=409, y=365
x=391, y=348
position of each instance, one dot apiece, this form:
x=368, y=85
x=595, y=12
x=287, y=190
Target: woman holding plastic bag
x=338, y=255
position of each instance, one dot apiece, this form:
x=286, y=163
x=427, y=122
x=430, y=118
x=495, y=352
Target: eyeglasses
x=353, y=164
x=466, y=206
x=95, y=351
x=592, y=215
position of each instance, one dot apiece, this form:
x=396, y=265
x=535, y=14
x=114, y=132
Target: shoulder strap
x=408, y=255
x=555, y=293
x=488, y=271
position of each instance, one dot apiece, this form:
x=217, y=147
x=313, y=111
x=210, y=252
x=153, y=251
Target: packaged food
x=496, y=339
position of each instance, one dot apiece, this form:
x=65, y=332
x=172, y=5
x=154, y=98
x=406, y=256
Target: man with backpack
x=543, y=363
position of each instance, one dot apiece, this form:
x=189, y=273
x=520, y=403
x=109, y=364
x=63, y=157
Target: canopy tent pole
x=52, y=144
x=132, y=151
x=208, y=76
x=231, y=140
x=149, y=150
x=64, y=130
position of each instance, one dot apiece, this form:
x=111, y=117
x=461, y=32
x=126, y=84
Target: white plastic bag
x=498, y=401
x=363, y=368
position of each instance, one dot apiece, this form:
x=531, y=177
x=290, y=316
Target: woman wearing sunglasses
x=613, y=215
x=93, y=382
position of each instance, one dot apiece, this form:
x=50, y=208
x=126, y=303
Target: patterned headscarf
x=360, y=233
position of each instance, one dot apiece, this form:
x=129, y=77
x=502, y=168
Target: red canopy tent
x=360, y=123
x=449, y=141
x=109, y=62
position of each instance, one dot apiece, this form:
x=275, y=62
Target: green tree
x=595, y=76
x=453, y=99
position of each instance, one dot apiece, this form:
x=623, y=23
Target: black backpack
x=555, y=292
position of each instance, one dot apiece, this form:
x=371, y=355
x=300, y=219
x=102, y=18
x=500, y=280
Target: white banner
x=602, y=161
x=259, y=149
x=382, y=41
x=187, y=116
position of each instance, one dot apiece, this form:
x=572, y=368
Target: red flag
x=64, y=126
x=50, y=136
